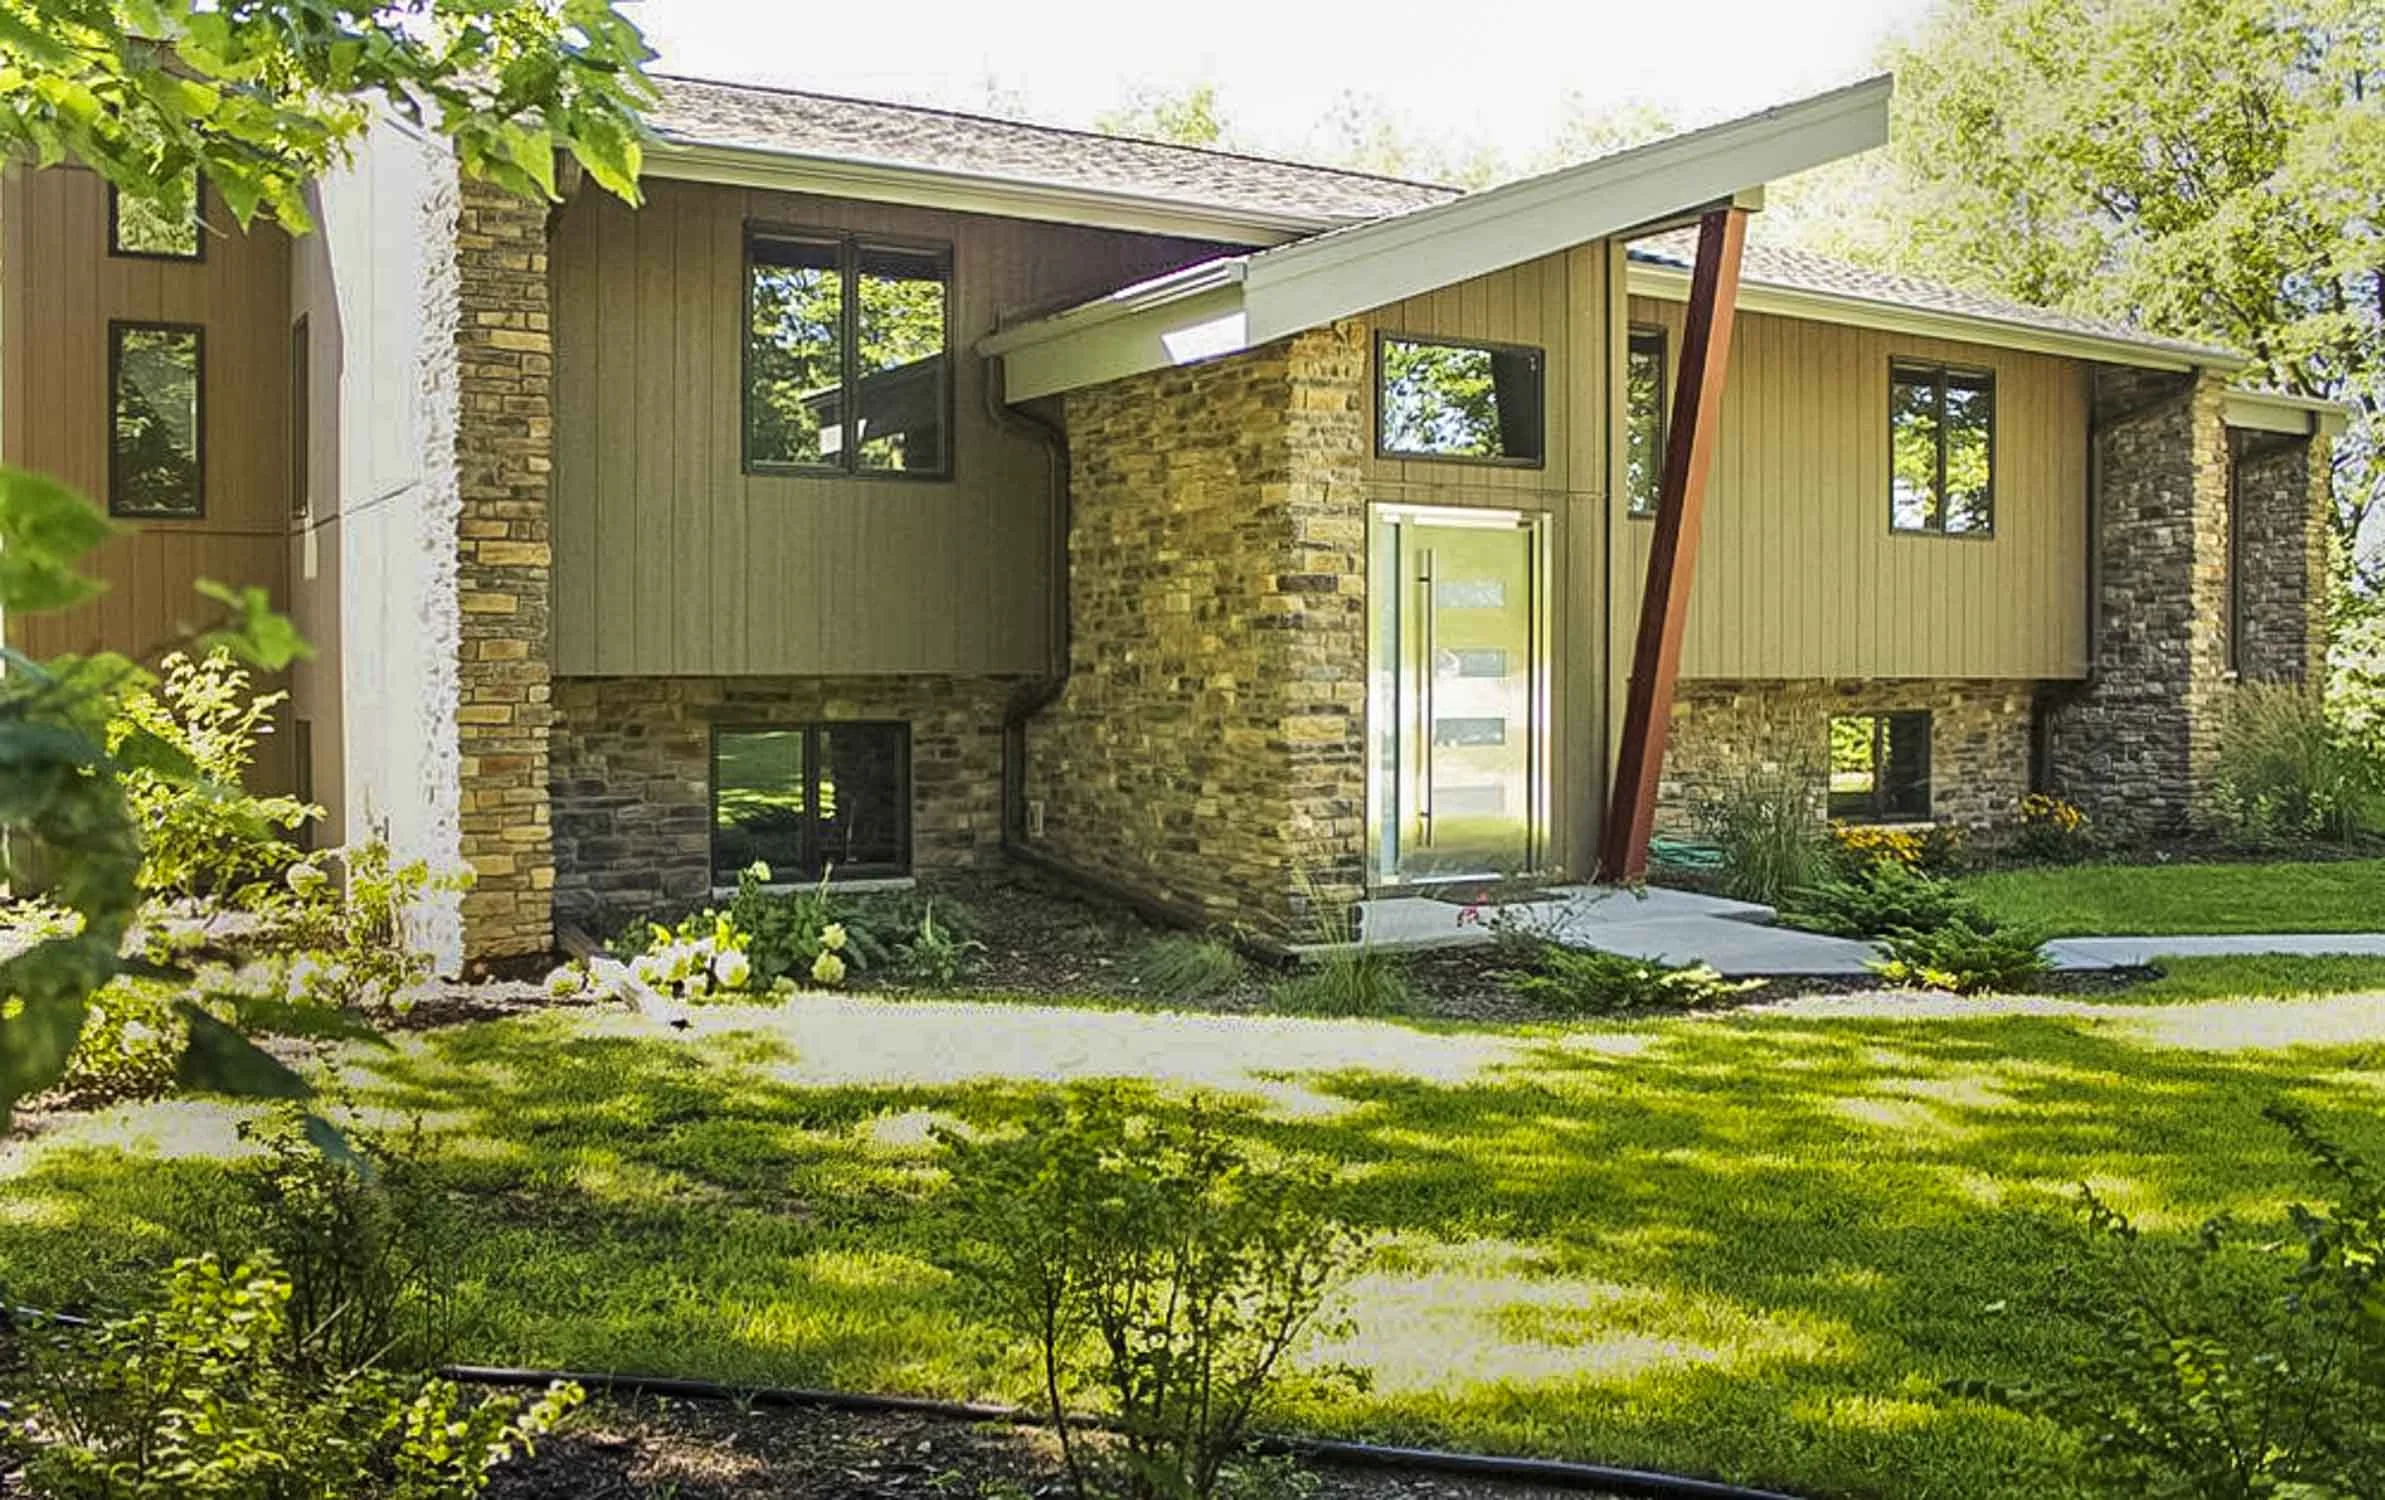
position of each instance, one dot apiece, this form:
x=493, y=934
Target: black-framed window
x=1942, y=449
x=1644, y=419
x=157, y=421
x=1459, y=401
x=1880, y=767
x=140, y=229
x=811, y=799
x=848, y=355
x=302, y=421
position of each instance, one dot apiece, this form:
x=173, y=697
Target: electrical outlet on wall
x=1035, y=817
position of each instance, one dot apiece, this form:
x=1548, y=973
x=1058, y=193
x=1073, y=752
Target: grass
x=1754, y=1247
x=2128, y=900
x=2276, y=977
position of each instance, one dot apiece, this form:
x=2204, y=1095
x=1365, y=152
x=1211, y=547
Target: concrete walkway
x=1740, y=937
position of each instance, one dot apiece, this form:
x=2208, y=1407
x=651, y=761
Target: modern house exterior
x=895, y=491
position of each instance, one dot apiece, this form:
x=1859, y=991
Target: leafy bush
x=707, y=957
x=1771, y=840
x=804, y=935
x=196, y=1401
x=1574, y=982
x=202, y=832
x=2051, y=831
x=2288, y=768
x=1964, y=958
x=1880, y=898
x=355, y=941
x=1184, y=967
x=2230, y=1366
x=1155, y=1261
x=366, y=1241
x=132, y=1040
x=936, y=953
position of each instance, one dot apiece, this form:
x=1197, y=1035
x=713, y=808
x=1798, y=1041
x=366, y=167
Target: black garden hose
x=1635, y=1483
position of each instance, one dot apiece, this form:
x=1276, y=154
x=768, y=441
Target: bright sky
x=1497, y=76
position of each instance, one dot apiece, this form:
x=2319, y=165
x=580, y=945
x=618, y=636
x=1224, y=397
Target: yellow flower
x=828, y=968
x=832, y=937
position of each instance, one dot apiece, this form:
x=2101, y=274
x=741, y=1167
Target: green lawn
x=2128, y=900
x=1753, y=1247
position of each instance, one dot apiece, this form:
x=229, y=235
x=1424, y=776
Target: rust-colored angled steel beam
x=1673, y=550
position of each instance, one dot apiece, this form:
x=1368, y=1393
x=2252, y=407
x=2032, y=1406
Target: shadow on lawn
x=1751, y=1248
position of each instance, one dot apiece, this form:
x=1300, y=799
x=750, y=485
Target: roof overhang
x=1243, y=301
x=2279, y=412
x=1757, y=296
x=974, y=192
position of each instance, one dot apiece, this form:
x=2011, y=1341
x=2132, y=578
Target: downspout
x=1038, y=693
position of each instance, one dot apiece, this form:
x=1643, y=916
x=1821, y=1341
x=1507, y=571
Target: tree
x=1188, y=117
x=2210, y=169
x=262, y=98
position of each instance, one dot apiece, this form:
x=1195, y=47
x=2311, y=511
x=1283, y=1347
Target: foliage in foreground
x=197, y=1400
x=2231, y=1366
x=1156, y=1261
x=1574, y=982
x=1964, y=959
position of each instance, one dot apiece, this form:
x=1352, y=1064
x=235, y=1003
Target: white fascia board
x=974, y=193
x=1312, y=282
x=1251, y=299
x=1672, y=285
x=2279, y=411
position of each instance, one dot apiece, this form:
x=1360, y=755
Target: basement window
x=1942, y=449
x=847, y=356
x=156, y=415
x=1644, y=420
x=1880, y=767
x=811, y=800
x=1472, y=403
x=141, y=229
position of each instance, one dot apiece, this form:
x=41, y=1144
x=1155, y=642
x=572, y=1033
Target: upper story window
x=1942, y=449
x=167, y=230
x=1644, y=420
x=1474, y=403
x=156, y=414
x=847, y=355
x=1880, y=767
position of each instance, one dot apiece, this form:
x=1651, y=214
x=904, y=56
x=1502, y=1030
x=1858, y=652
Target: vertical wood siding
x=1799, y=575
x=669, y=559
x=1565, y=306
x=58, y=290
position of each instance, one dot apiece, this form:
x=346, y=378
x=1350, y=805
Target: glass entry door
x=1458, y=693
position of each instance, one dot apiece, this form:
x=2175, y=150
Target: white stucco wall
x=382, y=273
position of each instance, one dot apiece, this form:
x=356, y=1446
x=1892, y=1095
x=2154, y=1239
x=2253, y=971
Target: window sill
x=858, y=886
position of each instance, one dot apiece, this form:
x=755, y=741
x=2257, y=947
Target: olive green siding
x=671, y=560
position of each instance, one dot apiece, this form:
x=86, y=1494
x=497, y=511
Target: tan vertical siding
x=670, y=559
x=59, y=288
x=1799, y=575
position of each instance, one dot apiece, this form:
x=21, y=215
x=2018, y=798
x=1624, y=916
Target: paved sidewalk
x=1740, y=937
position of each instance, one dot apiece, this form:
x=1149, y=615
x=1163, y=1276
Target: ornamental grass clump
x=1771, y=838
x=2290, y=767
x=1184, y=967
x=1160, y=1268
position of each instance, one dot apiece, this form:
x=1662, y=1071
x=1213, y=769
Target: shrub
x=195, y=1401
x=2229, y=1365
x=1881, y=898
x=1574, y=982
x=804, y=935
x=2287, y=768
x=132, y=1041
x=1185, y=967
x=706, y=957
x=203, y=834
x=1771, y=840
x=2051, y=831
x=936, y=954
x=1156, y=1262
x=1964, y=958
x=355, y=941
x=366, y=1241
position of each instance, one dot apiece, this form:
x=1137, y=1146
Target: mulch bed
x=645, y=1449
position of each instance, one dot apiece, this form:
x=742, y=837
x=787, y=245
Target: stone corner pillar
x=504, y=452
x=2285, y=554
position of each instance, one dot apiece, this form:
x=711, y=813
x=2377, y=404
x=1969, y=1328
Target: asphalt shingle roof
x=701, y=112
x=1800, y=270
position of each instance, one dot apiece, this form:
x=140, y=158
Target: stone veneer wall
x=1209, y=748
x=1721, y=731
x=2282, y=557
x=632, y=766
x=2134, y=744
x=504, y=449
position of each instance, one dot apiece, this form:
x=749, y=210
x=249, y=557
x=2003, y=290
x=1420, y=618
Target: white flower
x=832, y=937
x=566, y=982
x=760, y=871
x=699, y=984
x=828, y=968
x=306, y=972
x=732, y=969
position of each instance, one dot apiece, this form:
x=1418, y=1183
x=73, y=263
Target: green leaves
x=254, y=632
x=44, y=528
